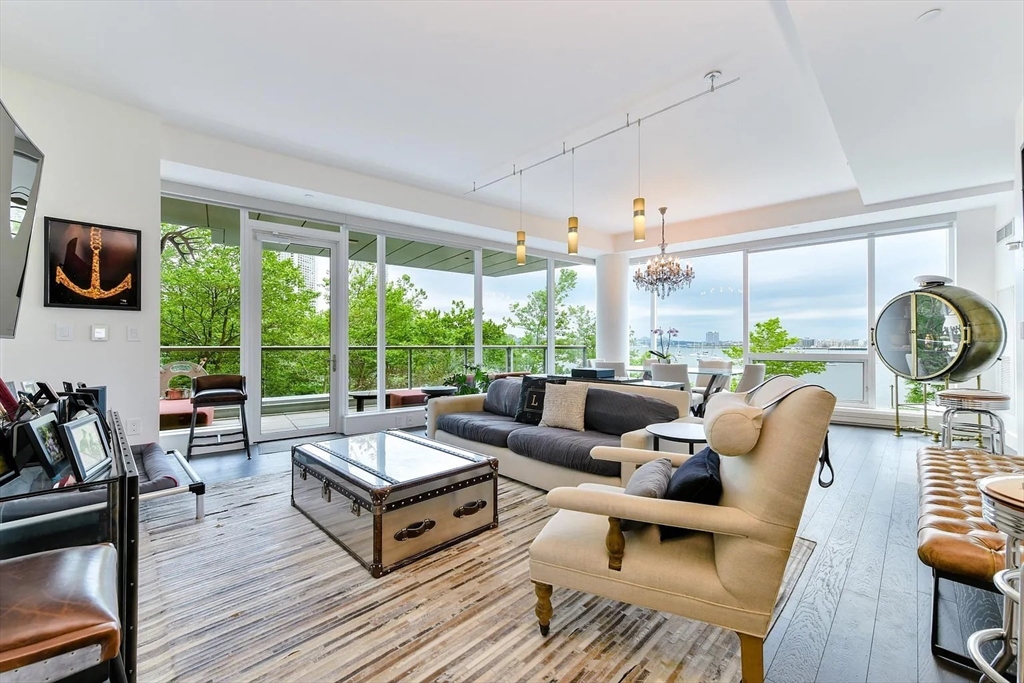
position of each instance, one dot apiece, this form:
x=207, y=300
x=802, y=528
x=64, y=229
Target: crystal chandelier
x=663, y=274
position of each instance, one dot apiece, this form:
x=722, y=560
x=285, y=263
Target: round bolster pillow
x=731, y=426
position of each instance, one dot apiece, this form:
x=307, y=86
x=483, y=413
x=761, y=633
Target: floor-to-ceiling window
x=575, y=315
x=429, y=314
x=898, y=260
x=810, y=303
x=704, y=320
x=515, y=311
x=361, y=393
x=807, y=305
x=200, y=305
x=641, y=323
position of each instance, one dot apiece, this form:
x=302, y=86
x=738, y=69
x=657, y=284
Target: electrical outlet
x=133, y=427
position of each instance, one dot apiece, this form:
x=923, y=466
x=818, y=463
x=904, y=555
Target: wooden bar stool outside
x=217, y=391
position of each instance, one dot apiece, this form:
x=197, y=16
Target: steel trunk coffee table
x=391, y=498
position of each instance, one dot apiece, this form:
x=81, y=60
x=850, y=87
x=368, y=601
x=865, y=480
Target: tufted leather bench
x=952, y=537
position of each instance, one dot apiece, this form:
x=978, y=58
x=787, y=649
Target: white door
x=292, y=358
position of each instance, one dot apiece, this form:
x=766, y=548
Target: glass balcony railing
x=296, y=379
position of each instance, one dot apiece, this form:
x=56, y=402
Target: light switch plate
x=100, y=333
x=65, y=333
x=132, y=333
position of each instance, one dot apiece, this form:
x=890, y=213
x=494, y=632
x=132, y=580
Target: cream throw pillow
x=564, y=405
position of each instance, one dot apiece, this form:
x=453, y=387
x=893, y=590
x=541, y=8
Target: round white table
x=681, y=432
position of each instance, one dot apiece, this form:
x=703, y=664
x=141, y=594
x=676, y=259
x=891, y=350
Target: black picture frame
x=44, y=434
x=9, y=468
x=87, y=446
x=69, y=255
x=44, y=394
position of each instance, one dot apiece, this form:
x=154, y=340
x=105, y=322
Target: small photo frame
x=45, y=393
x=87, y=446
x=44, y=434
x=8, y=466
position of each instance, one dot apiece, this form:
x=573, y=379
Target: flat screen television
x=21, y=167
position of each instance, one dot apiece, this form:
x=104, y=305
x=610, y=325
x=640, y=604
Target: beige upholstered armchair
x=729, y=574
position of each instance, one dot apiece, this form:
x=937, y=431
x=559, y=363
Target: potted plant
x=472, y=381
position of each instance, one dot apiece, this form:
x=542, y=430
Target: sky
x=817, y=291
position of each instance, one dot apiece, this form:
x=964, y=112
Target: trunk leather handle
x=470, y=508
x=415, y=530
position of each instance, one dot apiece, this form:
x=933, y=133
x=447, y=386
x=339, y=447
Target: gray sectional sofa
x=546, y=457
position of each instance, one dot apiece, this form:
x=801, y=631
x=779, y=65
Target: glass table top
x=386, y=459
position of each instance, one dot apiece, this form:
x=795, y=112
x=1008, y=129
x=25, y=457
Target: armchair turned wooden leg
x=543, y=610
x=616, y=544
x=751, y=658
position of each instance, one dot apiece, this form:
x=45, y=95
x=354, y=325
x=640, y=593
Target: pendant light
x=521, y=235
x=639, y=220
x=574, y=222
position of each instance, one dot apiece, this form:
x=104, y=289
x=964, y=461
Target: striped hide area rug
x=256, y=592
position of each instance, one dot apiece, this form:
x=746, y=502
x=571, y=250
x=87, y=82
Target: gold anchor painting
x=92, y=266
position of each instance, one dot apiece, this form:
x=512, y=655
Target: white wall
x=102, y=165
x=1009, y=273
x=208, y=162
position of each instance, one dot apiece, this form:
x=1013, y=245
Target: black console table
x=114, y=521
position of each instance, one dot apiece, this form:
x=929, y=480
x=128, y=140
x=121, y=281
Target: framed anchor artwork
x=92, y=266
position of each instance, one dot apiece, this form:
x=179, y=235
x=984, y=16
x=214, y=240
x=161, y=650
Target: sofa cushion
x=698, y=480
x=503, y=396
x=565, y=448
x=531, y=399
x=564, y=406
x=483, y=427
x=618, y=412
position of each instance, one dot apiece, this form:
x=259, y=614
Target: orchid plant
x=663, y=345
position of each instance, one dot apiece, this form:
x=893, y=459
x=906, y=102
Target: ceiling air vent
x=1004, y=232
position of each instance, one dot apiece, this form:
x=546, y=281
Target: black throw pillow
x=697, y=481
x=531, y=399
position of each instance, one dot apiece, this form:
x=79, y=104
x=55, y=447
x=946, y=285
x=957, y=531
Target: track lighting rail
x=629, y=122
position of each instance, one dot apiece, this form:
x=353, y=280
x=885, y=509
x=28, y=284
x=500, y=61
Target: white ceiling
x=832, y=97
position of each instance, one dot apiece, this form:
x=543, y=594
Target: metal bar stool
x=978, y=402
x=217, y=391
x=1002, y=505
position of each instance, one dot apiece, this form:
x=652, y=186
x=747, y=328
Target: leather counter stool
x=58, y=613
x=217, y=391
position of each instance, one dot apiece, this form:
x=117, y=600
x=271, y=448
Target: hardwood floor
x=862, y=608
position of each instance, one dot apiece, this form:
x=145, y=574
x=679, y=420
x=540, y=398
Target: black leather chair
x=216, y=391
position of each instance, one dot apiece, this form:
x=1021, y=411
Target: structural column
x=613, y=307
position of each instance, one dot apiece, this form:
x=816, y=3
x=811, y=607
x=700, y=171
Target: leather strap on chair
x=823, y=460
